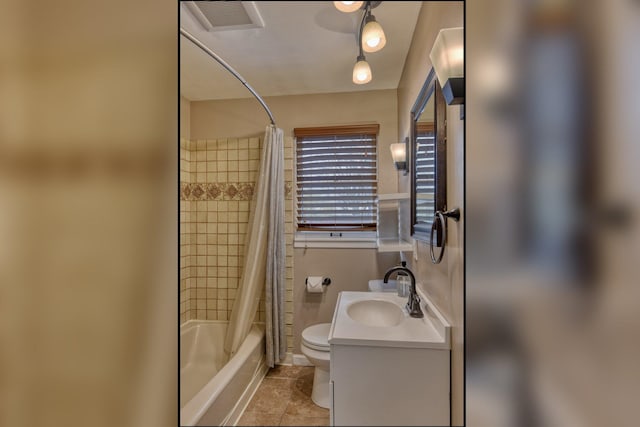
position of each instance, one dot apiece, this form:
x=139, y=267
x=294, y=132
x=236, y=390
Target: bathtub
x=214, y=391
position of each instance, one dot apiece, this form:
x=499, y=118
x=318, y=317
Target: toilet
x=315, y=346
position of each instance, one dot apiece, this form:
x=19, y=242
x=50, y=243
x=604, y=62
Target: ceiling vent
x=226, y=15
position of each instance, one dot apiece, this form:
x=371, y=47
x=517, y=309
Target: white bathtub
x=214, y=391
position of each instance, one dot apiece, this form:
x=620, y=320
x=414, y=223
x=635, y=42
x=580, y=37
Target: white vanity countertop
x=431, y=331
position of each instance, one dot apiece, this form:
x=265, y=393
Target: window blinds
x=336, y=171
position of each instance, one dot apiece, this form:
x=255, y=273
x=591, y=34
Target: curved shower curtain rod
x=228, y=68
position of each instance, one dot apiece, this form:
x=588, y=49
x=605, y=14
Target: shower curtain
x=264, y=258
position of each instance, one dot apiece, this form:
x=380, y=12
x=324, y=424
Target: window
x=336, y=174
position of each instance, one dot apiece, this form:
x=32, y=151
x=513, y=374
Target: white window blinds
x=336, y=173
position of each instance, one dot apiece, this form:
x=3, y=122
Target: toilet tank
x=378, y=285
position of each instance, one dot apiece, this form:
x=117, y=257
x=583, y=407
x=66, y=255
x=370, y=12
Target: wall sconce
x=447, y=57
x=399, y=155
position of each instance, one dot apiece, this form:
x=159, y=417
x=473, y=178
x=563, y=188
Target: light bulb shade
x=361, y=72
x=399, y=154
x=348, y=6
x=373, y=38
x=447, y=57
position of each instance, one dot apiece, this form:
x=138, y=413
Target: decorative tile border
x=202, y=191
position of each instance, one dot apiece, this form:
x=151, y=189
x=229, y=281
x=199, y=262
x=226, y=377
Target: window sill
x=347, y=242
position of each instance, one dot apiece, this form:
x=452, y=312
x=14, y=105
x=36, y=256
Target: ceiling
x=304, y=47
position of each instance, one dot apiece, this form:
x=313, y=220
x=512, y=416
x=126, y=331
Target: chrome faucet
x=413, y=305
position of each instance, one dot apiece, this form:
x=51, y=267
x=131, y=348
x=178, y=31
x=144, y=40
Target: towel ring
x=439, y=216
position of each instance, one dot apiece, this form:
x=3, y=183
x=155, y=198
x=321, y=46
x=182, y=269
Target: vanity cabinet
x=393, y=376
x=387, y=386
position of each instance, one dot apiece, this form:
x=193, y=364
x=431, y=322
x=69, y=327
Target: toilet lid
x=316, y=336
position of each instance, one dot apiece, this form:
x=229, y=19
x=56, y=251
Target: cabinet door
x=389, y=386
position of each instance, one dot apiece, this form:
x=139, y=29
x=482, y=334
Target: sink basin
x=375, y=313
x=380, y=319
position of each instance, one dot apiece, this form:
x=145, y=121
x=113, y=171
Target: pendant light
x=361, y=71
x=348, y=6
x=373, y=38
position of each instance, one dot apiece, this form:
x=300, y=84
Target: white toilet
x=315, y=346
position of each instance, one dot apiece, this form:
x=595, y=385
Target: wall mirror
x=428, y=159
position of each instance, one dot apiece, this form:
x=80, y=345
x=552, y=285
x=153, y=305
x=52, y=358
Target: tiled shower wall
x=185, y=234
x=217, y=182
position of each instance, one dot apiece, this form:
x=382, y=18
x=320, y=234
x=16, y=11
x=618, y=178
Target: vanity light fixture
x=447, y=57
x=399, y=155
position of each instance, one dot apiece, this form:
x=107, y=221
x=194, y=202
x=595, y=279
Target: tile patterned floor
x=284, y=399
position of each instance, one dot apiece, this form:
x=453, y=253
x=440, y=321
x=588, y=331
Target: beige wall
x=185, y=118
x=349, y=270
x=243, y=118
x=444, y=283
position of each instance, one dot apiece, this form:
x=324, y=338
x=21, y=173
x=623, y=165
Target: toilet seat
x=316, y=337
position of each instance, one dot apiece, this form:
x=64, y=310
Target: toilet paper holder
x=325, y=282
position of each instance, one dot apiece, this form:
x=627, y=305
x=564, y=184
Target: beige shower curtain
x=264, y=258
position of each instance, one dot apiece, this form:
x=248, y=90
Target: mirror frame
x=430, y=88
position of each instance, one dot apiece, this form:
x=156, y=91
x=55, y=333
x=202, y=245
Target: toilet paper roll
x=314, y=284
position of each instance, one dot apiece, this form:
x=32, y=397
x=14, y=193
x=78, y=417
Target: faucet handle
x=413, y=306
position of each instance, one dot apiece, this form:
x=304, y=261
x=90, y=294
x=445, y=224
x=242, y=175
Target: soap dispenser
x=402, y=283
